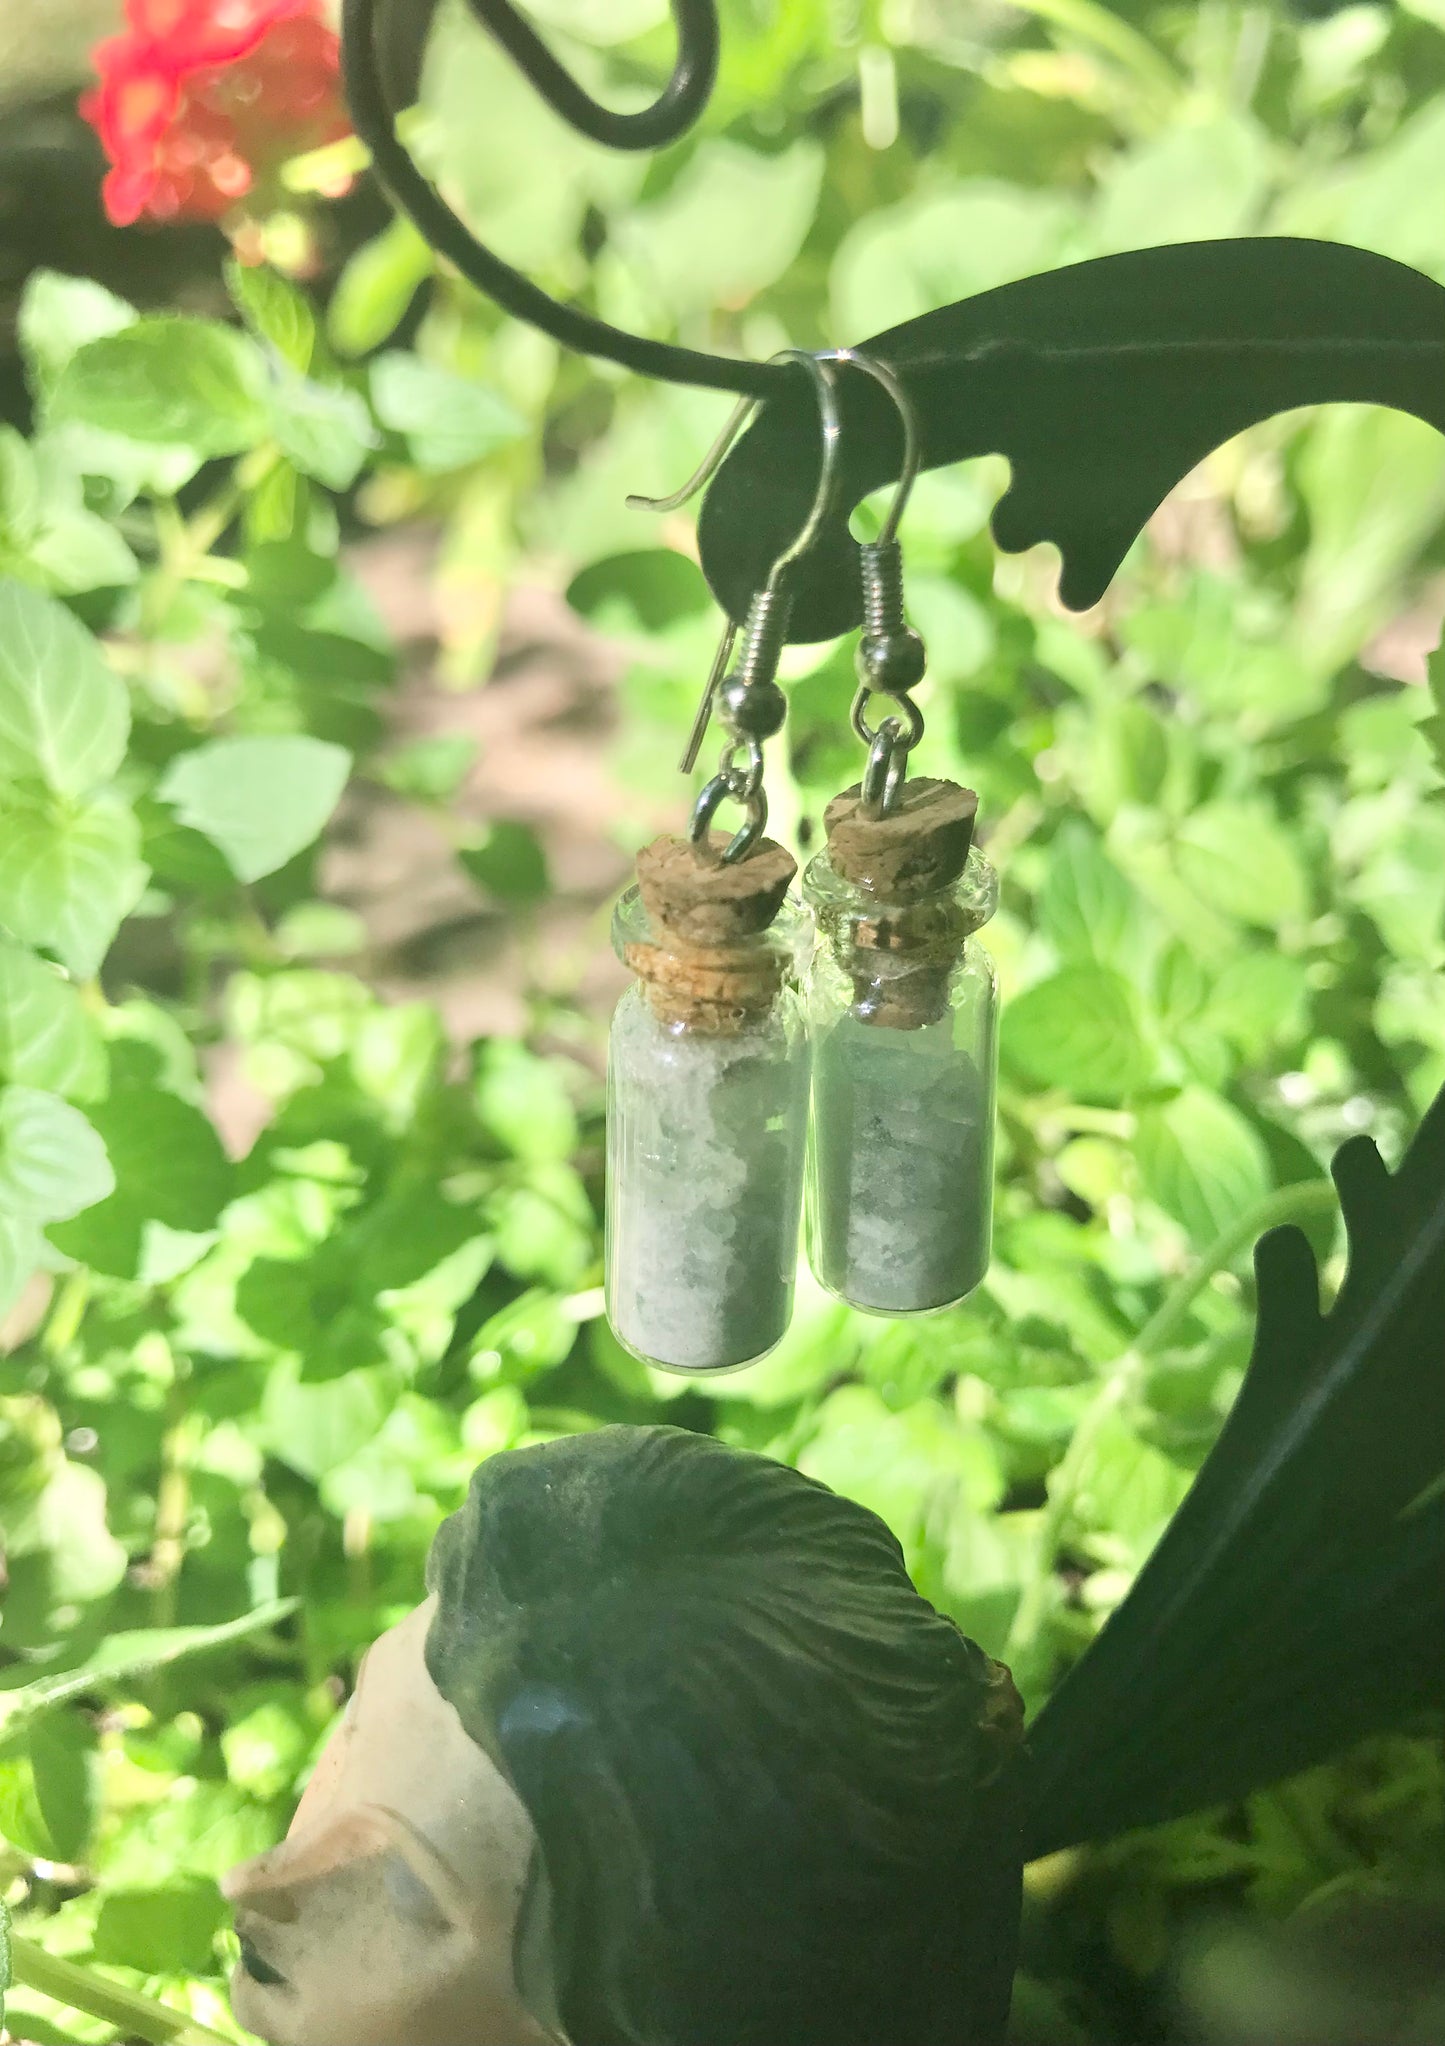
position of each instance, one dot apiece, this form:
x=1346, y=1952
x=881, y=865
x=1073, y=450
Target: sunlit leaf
x=52, y=1161
x=69, y=874
x=1080, y=1030
x=47, y=1038
x=64, y=717
x=60, y=314
x=1243, y=862
x=168, y=379
x=324, y=430
x=275, y=311
x=446, y=420
x=524, y=1102
x=1201, y=1161
x=260, y=800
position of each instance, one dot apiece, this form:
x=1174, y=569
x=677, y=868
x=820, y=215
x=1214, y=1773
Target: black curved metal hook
x=678, y=106
x=680, y=103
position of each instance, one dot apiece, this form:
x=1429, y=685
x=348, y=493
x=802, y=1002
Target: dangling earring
x=901, y=997
x=708, y=1057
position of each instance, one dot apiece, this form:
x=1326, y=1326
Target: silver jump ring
x=729, y=786
x=745, y=781
x=883, y=775
x=905, y=704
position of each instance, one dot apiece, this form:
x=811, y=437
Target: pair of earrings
x=847, y=1041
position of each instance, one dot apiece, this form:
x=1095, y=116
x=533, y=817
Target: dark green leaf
x=169, y=1167
x=510, y=863
x=644, y=591
x=62, y=1757
x=1294, y=1603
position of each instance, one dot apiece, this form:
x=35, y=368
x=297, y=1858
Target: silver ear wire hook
x=754, y=705
x=891, y=656
x=912, y=448
x=711, y=462
x=706, y=469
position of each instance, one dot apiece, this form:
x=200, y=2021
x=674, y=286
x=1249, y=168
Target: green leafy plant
x=239, y=1391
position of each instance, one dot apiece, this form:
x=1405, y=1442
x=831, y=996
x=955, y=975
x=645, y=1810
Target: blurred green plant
x=241, y=1392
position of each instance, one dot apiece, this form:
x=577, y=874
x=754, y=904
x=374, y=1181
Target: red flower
x=199, y=101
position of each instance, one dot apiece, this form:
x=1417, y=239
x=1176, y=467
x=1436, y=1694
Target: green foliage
x=169, y=380
x=260, y=801
x=240, y=1392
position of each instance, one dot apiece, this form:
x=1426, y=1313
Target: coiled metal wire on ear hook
x=891, y=657
x=753, y=705
x=890, y=654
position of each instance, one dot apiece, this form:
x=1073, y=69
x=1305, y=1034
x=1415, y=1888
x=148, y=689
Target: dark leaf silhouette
x=1104, y=383
x=1297, y=1599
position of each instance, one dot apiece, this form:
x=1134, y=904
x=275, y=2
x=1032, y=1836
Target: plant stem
x=77, y=1988
x=173, y=1504
x=1289, y=1204
x=67, y=1312
x=186, y=544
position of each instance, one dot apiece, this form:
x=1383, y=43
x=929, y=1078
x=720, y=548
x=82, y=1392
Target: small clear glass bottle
x=707, y=1115
x=902, y=1013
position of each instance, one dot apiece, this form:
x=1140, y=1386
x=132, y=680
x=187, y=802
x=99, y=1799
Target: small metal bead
x=753, y=710
x=892, y=664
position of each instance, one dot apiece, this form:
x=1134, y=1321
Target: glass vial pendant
x=901, y=1003
x=707, y=1109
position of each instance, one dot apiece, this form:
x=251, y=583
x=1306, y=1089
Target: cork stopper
x=902, y=955
x=705, y=966
x=707, y=901
x=922, y=847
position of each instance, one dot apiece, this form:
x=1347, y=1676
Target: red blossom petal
x=202, y=99
x=183, y=35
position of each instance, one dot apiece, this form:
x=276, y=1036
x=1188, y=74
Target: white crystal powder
x=706, y=1141
x=902, y=1167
